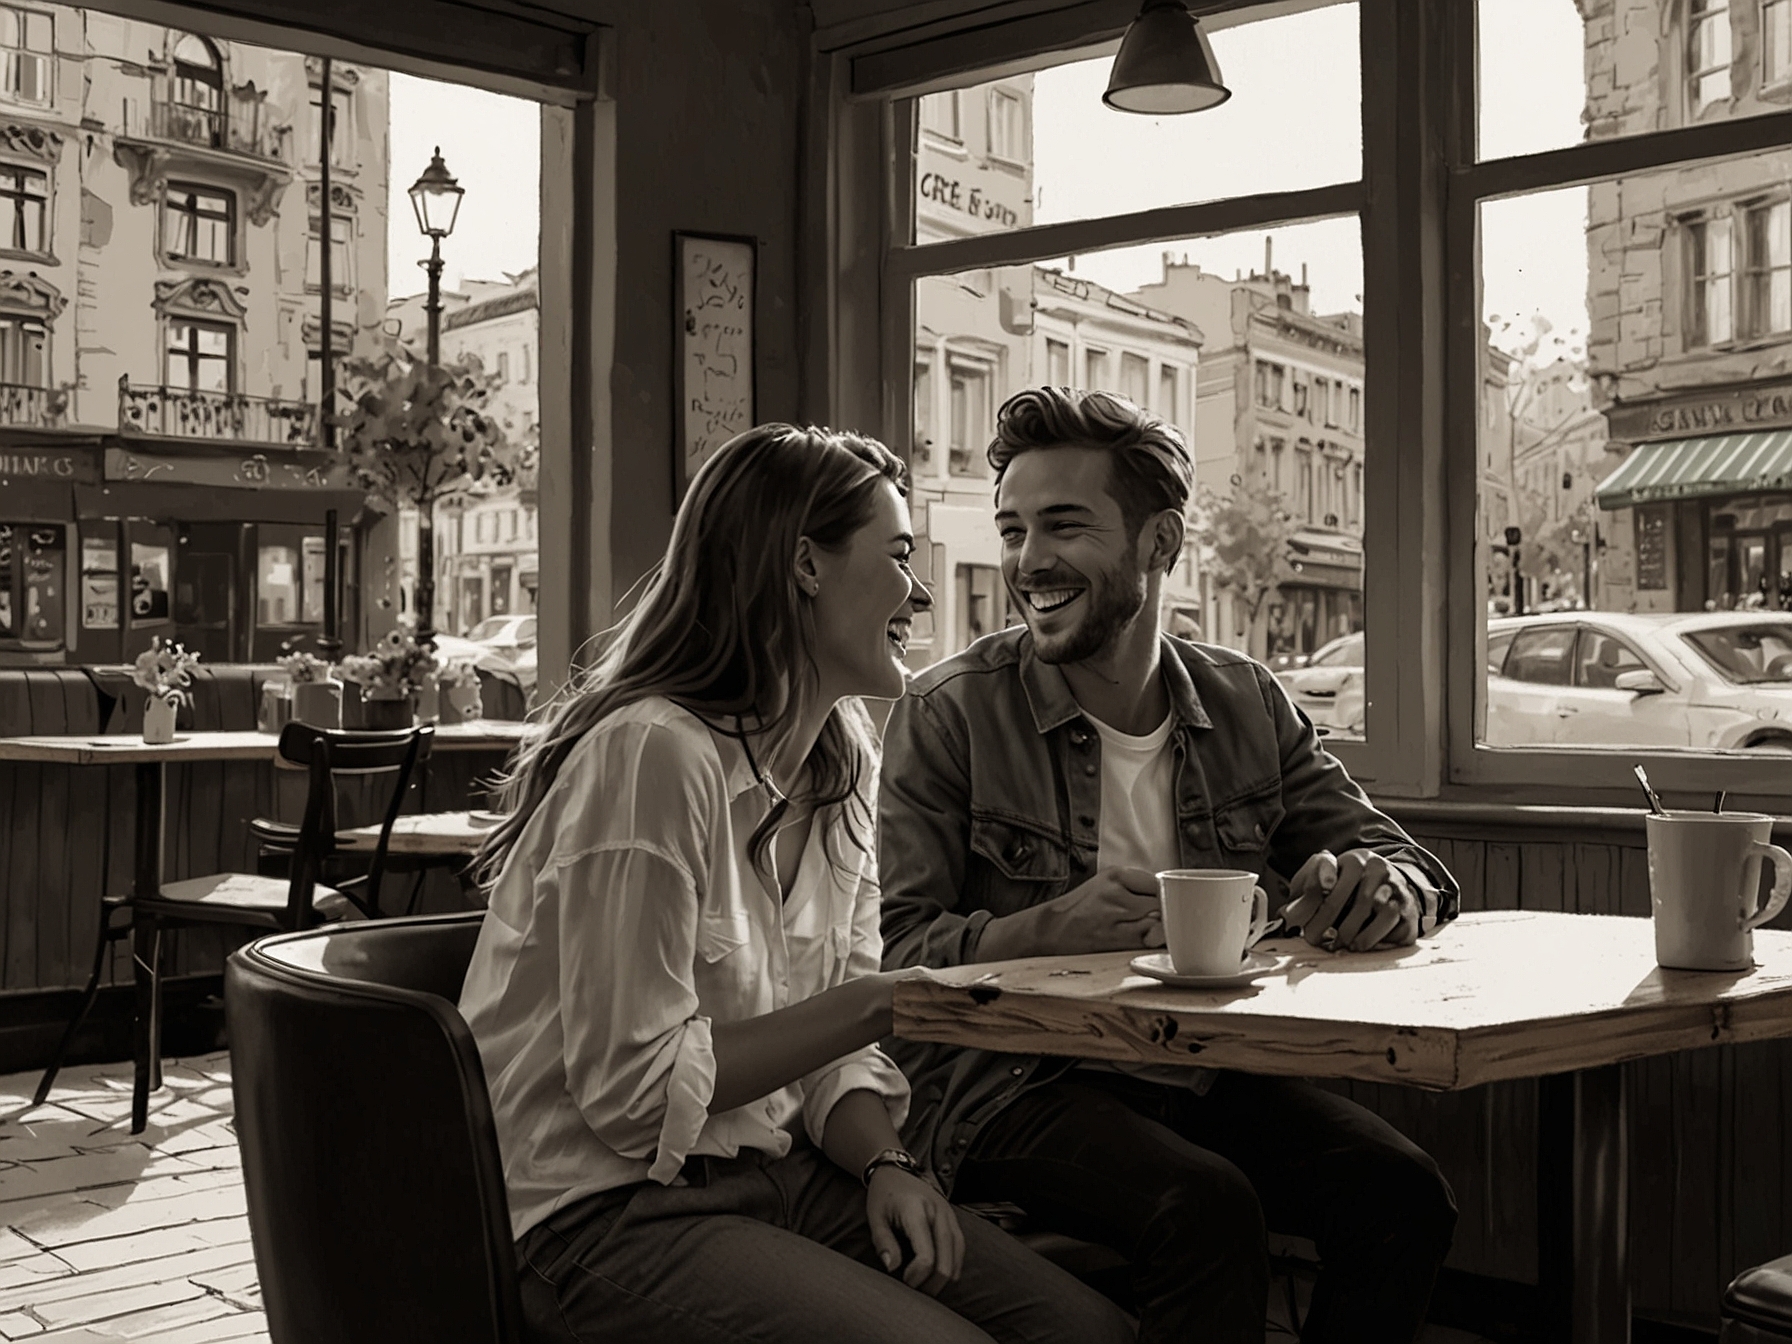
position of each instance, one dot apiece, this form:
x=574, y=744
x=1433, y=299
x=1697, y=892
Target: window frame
x=20, y=198
x=232, y=219
x=233, y=340
x=14, y=55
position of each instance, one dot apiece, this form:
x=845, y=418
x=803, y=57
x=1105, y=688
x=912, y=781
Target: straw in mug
x=1642, y=778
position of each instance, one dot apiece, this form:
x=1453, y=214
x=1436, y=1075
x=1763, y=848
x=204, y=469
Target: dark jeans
x=779, y=1250
x=1183, y=1186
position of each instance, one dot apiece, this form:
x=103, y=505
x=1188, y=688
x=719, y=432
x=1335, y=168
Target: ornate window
x=1708, y=54
x=201, y=356
x=24, y=343
x=199, y=224
x=1710, y=267
x=24, y=209
x=196, y=106
x=342, y=240
x=27, y=39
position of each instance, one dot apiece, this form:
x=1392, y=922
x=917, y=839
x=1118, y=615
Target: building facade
x=160, y=308
x=1690, y=305
x=1279, y=410
x=981, y=336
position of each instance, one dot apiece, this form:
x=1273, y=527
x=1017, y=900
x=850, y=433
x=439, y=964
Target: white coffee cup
x=1212, y=918
x=1704, y=882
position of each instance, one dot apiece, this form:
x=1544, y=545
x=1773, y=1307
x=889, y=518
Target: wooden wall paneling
x=1541, y=878
x=1502, y=883
x=1653, y=1181
x=1633, y=882
x=1755, y=1154
x=1698, y=1203
x=1593, y=878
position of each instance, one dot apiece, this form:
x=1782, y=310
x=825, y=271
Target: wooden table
x=1494, y=995
x=428, y=833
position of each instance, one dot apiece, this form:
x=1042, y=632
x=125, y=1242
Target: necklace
x=772, y=790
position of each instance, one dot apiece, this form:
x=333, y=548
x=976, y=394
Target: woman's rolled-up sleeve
x=868, y=1069
x=640, y=1063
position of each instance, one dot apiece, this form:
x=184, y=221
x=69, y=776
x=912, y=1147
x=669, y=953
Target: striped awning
x=1723, y=464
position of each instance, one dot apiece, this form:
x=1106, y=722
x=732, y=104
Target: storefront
x=1323, y=600
x=1707, y=490
x=103, y=548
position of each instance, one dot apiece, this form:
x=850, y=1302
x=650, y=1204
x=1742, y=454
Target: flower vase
x=318, y=703
x=385, y=713
x=429, y=699
x=276, y=706
x=158, y=720
x=462, y=703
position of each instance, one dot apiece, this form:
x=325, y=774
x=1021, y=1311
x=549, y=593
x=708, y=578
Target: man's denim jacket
x=990, y=802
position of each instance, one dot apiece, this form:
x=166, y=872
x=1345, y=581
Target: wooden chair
x=298, y=900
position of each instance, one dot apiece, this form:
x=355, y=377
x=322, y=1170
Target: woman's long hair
x=721, y=627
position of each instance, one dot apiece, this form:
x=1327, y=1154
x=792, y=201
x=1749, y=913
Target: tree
x=1244, y=540
x=416, y=435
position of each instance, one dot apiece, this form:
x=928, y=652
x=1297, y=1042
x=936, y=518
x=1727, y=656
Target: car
x=1328, y=687
x=1712, y=681
x=505, y=636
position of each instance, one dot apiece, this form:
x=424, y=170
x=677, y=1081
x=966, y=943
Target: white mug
x=1704, y=881
x=1212, y=918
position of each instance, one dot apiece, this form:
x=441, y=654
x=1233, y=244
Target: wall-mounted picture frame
x=714, y=374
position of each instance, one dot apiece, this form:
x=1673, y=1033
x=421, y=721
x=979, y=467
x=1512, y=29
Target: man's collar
x=1050, y=698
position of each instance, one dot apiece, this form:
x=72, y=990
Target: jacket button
x=1017, y=1070
x=1017, y=851
x=1091, y=769
x=1085, y=820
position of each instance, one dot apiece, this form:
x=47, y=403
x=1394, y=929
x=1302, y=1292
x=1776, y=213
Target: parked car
x=497, y=644
x=1714, y=681
x=1710, y=680
x=1328, y=687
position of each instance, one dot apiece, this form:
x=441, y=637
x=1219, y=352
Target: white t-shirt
x=1138, y=805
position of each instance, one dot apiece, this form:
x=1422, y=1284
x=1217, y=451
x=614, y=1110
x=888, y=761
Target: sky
x=1293, y=121
x=492, y=145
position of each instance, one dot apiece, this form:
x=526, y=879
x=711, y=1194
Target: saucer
x=1157, y=965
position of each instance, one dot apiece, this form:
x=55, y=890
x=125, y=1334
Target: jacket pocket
x=718, y=935
x=1246, y=827
x=1019, y=853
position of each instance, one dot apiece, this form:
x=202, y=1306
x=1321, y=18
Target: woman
x=675, y=992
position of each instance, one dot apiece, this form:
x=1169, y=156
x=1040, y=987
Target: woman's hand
x=898, y=1202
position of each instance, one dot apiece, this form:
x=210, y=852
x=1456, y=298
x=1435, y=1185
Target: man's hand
x=1113, y=911
x=1360, y=898
x=900, y=1203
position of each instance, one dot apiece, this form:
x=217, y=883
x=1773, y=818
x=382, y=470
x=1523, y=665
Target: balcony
x=215, y=417
x=236, y=142
x=31, y=407
x=239, y=127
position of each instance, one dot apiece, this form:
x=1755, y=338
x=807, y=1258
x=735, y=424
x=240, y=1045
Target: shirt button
x=1017, y=1070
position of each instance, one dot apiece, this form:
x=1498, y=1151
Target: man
x=1031, y=787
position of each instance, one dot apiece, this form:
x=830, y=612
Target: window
x=1709, y=267
x=1303, y=483
x=342, y=137
x=1007, y=126
x=980, y=603
x=973, y=418
x=1135, y=378
x=1707, y=54
x=342, y=254
x=1300, y=397
x=199, y=224
x=277, y=586
x=201, y=356
x=1096, y=373
x=1269, y=384
x=196, y=102
x=1601, y=657
x=1776, y=42
x=24, y=202
x=1356, y=494
x=32, y=583
x=940, y=114
x=479, y=521
x=1057, y=363
x=923, y=462
x=1767, y=279
x=1166, y=392
x=1277, y=450
x=1542, y=656
x=504, y=366
x=27, y=39
x=523, y=360
x=1356, y=410
x=23, y=362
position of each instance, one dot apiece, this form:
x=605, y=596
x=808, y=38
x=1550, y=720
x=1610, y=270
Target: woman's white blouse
x=627, y=919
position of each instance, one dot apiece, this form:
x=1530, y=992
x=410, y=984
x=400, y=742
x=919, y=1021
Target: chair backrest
x=370, y=1162
x=327, y=753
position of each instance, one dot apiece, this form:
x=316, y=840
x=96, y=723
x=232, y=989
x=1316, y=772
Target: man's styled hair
x=1152, y=470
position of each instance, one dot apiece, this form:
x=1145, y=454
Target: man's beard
x=1115, y=598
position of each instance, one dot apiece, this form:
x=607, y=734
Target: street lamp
x=435, y=196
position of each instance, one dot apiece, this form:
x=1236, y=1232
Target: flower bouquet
x=165, y=670
x=390, y=675
x=316, y=695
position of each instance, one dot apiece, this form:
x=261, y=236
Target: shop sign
x=1730, y=410
x=48, y=464
x=254, y=471
x=964, y=196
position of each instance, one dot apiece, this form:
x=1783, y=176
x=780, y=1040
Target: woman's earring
x=812, y=588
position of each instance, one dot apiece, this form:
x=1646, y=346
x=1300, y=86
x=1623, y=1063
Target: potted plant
x=316, y=695
x=458, y=681
x=390, y=677
x=165, y=670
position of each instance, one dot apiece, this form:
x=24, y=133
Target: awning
x=1722, y=464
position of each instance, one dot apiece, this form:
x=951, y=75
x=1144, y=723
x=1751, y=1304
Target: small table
x=429, y=833
x=1494, y=995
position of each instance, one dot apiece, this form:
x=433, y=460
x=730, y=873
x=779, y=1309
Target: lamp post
x=1513, y=537
x=435, y=197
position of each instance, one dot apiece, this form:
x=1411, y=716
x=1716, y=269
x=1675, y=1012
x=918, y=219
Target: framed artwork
x=713, y=376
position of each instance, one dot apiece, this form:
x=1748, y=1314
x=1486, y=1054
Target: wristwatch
x=892, y=1157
